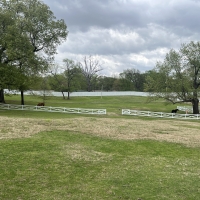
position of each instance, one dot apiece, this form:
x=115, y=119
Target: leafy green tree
x=45, y=89
x=108, y=83
x=126, y=85
x=105, y=83
x=37, y=34
x=58, y=83
x=8, y=78
x=132, y=79
x=13, y=47
x=117, y=85
x=151, y=85
x=67, y=81
x=79, y=83
x=177, y=78
x=72, y=70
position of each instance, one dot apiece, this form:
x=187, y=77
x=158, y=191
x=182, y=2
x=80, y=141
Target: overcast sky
x=125, y=34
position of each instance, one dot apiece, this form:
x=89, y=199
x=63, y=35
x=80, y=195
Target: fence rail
x=53, y=109
x=159, y=114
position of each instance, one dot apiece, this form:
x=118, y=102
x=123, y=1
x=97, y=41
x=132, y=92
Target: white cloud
x=126, y=33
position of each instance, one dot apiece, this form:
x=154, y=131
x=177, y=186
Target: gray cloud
x=126, y=33
x=81, y=14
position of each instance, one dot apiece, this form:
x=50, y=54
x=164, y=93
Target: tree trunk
x=22, y=97
x=89, y=86
x=68, y=95
x=68, y=90
x=63, y=95
x=2, y=100
x=195, y=104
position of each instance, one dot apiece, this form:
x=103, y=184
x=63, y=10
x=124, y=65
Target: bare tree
x=89, y=68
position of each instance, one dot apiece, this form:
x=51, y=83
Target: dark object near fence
x=175, y=110
x=40, y=104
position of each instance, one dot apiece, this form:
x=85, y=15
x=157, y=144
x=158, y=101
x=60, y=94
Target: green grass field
x=112, y=104
x=80, y=157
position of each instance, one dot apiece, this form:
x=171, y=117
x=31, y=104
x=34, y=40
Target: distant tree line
x=85, y=77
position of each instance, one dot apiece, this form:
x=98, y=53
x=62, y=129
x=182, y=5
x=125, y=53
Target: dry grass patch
x=184, y=132
x=80, y=152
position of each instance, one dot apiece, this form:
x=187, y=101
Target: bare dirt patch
x=184, y=132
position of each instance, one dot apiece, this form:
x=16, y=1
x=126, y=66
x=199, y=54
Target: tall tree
x=13, y=47
x=37, y=23
x=45, y=88
x=90, y=68
x=58, y=82
x=72, y=70
x=68, y=80
x=177, y=78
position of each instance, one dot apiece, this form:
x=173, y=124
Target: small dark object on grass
x=175, y=110
x=40, y=104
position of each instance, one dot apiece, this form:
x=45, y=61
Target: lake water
x=82, y=94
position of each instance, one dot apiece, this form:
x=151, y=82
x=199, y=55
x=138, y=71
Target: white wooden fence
x=53, y=109
x=102, y=111
x=159, y=114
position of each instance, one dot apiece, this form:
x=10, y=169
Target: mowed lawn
x=69, y=165
x=61, y=156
